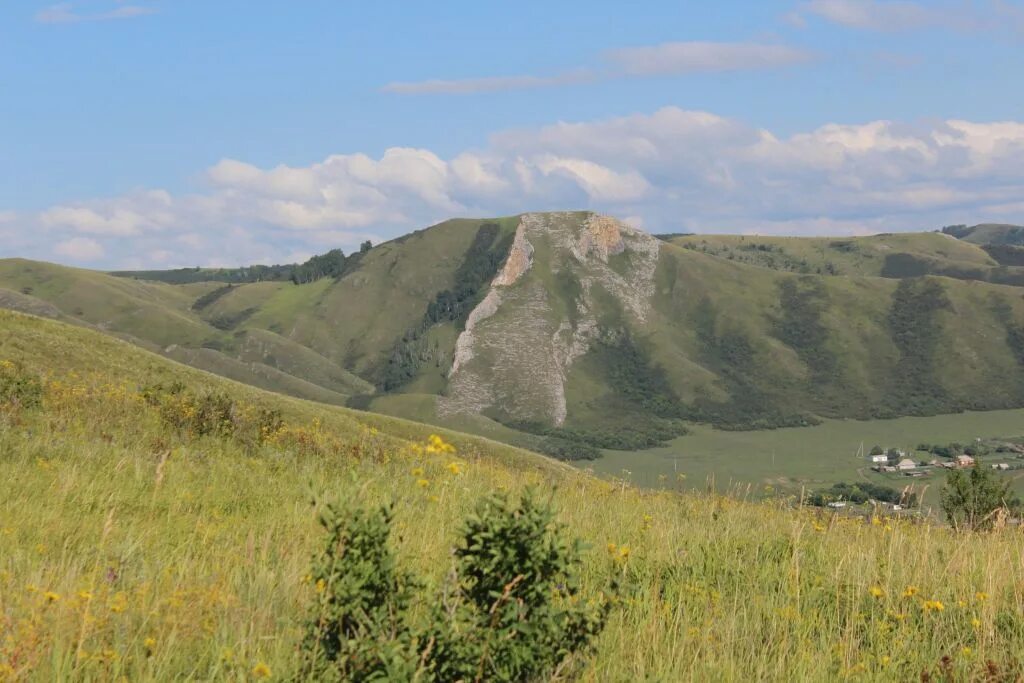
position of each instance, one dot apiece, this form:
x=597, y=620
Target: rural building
x=964, y=461
x=906, y=464
x=879, y=458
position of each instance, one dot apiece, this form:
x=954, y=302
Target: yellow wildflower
x=981, y=596
x=933, y=605
x=417, y=471
x=321, y=586
x=976, y=622
x=454, y=467
x=422, y=483
x=910, y=592
x=261, y=670
x=876, y=592
x=149, y=644
x=51, y=596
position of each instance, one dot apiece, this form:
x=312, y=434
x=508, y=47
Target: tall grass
x=132, y=549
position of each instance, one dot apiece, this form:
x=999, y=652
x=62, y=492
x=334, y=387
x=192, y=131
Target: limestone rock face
x=518, y=344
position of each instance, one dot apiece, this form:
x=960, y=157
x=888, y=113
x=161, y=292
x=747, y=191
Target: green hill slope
x=140, y=540
x=570, y=332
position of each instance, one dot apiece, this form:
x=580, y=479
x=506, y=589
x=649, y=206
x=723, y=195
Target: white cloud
x=65, y=13
x=999, y=17
x=634, y=62
x=680, y=170
x=705, y=57
x=466, y=86
x=79, y=249
x=873, y=14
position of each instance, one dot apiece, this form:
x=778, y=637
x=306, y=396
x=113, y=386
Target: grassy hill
x=164, y=554
x=571, y=333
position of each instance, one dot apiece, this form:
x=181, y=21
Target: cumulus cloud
x=673, y=169
x=65, y=13
x=79, y=249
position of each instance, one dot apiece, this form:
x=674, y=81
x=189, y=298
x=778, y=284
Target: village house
x=906, y=464
x=964, y=461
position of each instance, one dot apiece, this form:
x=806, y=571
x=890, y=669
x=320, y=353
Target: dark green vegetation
x=332, y=264
x=976, y=499
x=860, y=493
x=452, y=306
x=739, y=332
x=512, y=612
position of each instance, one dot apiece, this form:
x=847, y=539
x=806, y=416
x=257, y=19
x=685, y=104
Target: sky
x=171, y=133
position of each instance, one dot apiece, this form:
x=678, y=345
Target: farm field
x=802, y=457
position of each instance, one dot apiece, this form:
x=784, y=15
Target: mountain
x=569, y=332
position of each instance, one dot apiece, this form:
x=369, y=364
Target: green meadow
x=796, y=458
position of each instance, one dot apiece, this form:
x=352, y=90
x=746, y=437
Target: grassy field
x=806, y=457
x=130, y=549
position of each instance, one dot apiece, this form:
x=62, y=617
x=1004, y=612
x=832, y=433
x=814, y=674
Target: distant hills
x=570, y=332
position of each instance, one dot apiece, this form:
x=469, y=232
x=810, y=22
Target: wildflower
x=85, y=596
x=624, y=553
x=417, y=471
x=150, y=645
x=612, y=549
x=976, y=622
x=51, y=596
x=933, y=605
x=818, y=527
x=434, y=499
x=910, y=591
x=966, y=651
x=422, y=483
x=453, y=467
x=321, y=586
x=884, y=661
x=876, y=592
x=261, y=670
x=980, y=596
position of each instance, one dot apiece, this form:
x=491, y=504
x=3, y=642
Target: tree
x=972, y=497
x=876, y=450
x=365, y=247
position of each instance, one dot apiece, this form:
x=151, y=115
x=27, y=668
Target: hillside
x=571, y=332
x=163, y=553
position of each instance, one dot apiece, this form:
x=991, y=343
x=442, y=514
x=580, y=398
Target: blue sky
x=158, y=133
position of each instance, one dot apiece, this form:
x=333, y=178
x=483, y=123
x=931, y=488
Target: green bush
x=512, y=611
x=358, y=630
x=18, y=388
x=972, y=498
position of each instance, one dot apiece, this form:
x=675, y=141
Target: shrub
x=358, y=631
x=517, y=613
x=972, y=498
x=511, y=612
x=18, y=388
x=208, y=414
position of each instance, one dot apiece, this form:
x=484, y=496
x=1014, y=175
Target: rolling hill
x=172, y=546
x=572, y=332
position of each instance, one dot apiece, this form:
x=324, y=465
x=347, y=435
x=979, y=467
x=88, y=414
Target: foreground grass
x=128, y=549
